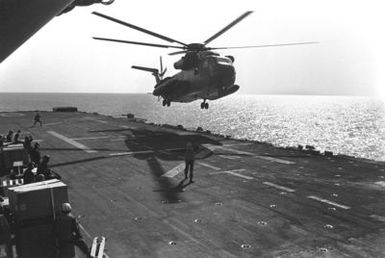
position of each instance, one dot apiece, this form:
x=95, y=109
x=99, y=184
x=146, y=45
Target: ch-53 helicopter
x=204, y=74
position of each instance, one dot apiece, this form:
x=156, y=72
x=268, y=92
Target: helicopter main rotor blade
x=177, y=53
x=240, y=18
x=271, y=45
x=138, y=28
x=138, y=43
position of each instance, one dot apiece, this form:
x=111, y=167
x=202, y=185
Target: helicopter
x=204, y=73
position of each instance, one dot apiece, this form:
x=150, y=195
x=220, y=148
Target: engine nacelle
x=230, y=90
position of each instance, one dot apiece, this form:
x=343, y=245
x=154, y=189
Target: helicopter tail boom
x=154, y=71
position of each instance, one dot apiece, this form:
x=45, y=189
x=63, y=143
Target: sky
x=63, y=57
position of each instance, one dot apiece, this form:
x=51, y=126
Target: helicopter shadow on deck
x=167, y=146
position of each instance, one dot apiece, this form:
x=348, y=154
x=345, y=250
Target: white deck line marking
x=328, y=202
x=208, y=165
x=125, y=126
x=90, y=138
x=239, y=175
x=54, y=123
x=233, y=172
x=117, y=140
x=142, y=152
x=282, y=161
x=237, y=144
x=181, y=133
x=96, y=120
x=72, y=142
x=229, y=157
x=175, y=171
x=130, y=153
x=377, y=217
x=279, y=187
x=214, y=147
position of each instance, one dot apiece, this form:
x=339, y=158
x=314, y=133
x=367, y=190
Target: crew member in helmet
x=68, y=235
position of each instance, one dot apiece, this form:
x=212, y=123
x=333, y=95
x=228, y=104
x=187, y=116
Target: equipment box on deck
x=13, y=153
x=37, y=200
x=35, y=241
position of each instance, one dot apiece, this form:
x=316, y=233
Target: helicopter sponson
x=167, y=85
x=229, y=90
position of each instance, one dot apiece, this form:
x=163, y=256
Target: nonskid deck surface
x=248, y=199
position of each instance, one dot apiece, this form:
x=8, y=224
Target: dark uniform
x=9, y=136
x=43, y=169
x=5, y=236
x=27, y=144
x=189, y=161
x=37, y=119
x=67, y=234
x=16, y=137
x=29, y=176
x=35, y=154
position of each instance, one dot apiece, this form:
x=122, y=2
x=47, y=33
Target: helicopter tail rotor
x=162, y=72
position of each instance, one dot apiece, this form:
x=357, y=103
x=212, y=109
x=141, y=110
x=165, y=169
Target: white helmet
x=66, y=207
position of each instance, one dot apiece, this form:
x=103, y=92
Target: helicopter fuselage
x=210, y=76
x=204, y=74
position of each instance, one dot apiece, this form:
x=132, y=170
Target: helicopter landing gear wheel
x=204, y=105
x=166, y=102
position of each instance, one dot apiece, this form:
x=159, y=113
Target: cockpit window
x=223, y=60
x=208, y=53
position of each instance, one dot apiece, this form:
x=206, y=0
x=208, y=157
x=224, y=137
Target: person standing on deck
x=16, y=137
x=29, y=176
x=35, y=154
x=189, y=161
x=28, y=144
x=37, y=119
x=67, y=233
x=9, y=137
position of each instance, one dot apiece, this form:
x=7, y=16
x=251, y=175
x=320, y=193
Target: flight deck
x=248, y=199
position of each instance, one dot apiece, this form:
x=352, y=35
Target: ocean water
x=347, y=125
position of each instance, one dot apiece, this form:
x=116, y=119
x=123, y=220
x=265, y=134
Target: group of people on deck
x=10, y=138
x=37, y=164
